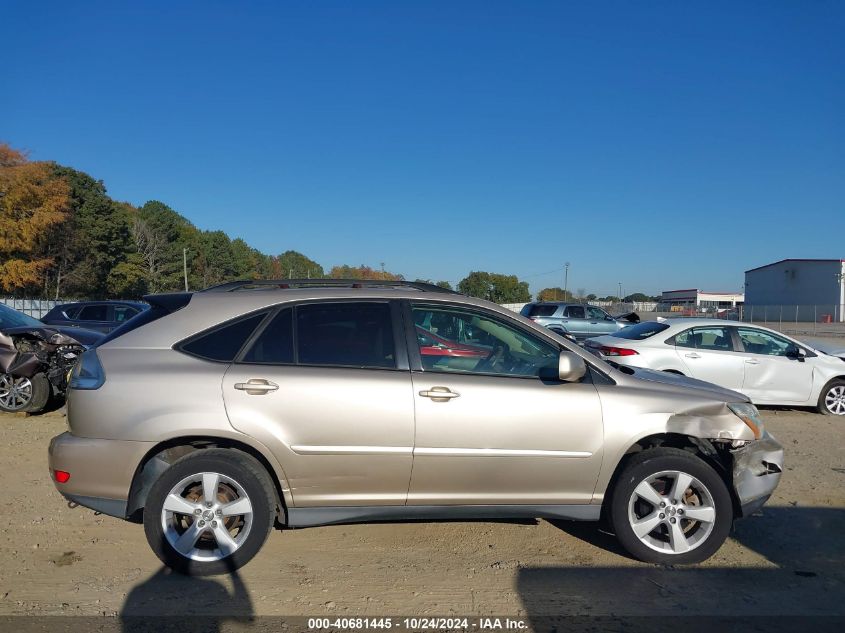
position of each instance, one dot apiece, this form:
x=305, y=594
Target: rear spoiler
x=170, y=301
x=160, y=305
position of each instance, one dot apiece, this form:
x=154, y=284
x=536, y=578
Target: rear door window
x=223, y=343
x=94, y=313
x=275, y=343
x=575, y=312
x=123, y=313
x=717, y=339
x=353, y=334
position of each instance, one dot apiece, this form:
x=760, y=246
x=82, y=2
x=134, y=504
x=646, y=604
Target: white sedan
x=765, y=365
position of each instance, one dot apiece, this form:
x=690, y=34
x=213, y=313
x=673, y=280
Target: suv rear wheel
x=670, y=507
x=210, y=512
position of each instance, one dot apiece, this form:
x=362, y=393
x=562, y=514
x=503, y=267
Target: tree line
x=62, y=235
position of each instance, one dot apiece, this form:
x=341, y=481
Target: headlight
x=749, y=414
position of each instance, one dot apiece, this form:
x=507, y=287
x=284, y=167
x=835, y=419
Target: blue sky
x=657, y=144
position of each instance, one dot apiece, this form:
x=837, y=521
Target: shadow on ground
x=168, y=601
x=803, y=587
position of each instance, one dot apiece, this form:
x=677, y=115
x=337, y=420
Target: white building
x=698, y=301
x=808, y=289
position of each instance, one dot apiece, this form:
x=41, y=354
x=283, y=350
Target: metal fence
x=35, y=308
x=818, y=320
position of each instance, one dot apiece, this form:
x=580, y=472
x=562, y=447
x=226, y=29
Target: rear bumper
x=101, y=471
x=756, y=473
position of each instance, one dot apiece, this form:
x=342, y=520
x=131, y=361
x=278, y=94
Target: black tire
x=836, y=383
x=653, y=461
x=235, y=465
x=39, y=395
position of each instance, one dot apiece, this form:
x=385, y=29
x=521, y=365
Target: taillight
x=61, y=476
x=617, y=351
x=88, y=372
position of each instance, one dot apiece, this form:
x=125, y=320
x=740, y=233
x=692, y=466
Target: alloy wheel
x=834, y=400
x=15, y=393
x=671, y=512
x=206, y=516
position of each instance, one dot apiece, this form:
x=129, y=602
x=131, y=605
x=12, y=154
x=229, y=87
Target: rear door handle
x=439, y=394
x=256, y=386
x=752, y=361
x=693, y=355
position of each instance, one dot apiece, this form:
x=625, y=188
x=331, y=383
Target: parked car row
x=319, y=402
x=36, y=356
x=767, y=366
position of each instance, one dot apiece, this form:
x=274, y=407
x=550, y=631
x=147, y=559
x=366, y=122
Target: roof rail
x=269, y=284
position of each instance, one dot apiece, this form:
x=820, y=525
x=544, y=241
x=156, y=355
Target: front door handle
x=751, y=361
x=256, y=386
x=439, y=394
x=693, y=355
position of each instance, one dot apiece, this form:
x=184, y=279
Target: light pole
x=185, y=266
x=565, y=280
x=620, y=292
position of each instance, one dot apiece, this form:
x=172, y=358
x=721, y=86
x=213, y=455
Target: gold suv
x=216, y=415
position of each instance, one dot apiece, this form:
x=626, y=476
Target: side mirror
x=570, y=367
x=793, y=351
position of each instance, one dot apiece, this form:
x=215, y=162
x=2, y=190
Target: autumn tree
x=33, y=200
x=495, y=287
x=554, y=294
x=294, y=265
x=362, y=272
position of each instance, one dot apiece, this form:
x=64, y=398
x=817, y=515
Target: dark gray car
x=576, y=319
x=100, y=316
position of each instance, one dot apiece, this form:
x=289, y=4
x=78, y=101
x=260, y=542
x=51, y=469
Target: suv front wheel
x=670, y=507
x=210, y=512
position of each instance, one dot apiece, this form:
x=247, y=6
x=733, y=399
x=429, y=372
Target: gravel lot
x=786, y=561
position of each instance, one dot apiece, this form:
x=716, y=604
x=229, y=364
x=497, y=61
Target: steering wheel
x=500, y=353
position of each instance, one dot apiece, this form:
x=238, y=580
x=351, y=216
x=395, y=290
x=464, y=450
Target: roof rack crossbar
x=242, y=284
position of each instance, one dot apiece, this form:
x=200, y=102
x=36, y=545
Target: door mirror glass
x=571, y=367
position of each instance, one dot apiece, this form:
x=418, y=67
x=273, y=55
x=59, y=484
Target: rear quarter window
x=223, y=342
x=541, y=310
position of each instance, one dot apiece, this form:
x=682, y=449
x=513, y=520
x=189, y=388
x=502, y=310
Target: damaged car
x=318, y=403
x=35, y=360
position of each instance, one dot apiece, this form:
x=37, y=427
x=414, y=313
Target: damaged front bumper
x=757, y=468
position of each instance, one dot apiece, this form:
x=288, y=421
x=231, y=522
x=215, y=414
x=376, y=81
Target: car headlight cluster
x=749, y=414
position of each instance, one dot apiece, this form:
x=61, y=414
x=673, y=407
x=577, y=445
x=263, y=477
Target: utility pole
x=620, y=292
x=185, y=266
x=382, y=270
x=565, y=280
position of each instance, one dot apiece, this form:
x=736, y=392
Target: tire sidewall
x=691, y=465
x=825, y=390
x=38, y=399
x=240, y=467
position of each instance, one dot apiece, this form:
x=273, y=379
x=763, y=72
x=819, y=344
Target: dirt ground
x=788, y=560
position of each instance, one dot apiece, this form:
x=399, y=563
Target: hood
x=699, y=387
x=58, y=334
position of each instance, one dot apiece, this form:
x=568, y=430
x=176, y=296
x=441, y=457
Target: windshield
x=640, y=331
x=13, y=318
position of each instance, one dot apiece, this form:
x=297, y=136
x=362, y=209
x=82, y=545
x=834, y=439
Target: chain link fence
x=36, y=308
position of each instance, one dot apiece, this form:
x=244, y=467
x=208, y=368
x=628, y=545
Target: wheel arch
x=712, y=454
x=159, y=458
